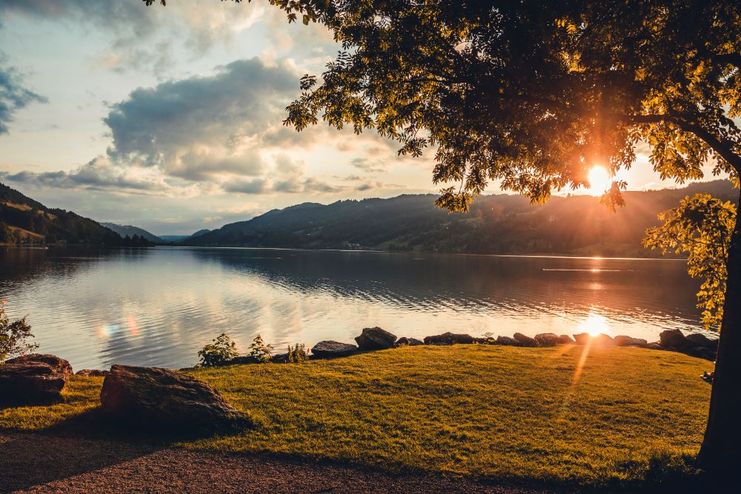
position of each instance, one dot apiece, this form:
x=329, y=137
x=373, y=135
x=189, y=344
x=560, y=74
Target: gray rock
x=565, y=339
x=33, y=379
x=673, y=338
x=150, y=397
x=622, y=340
x=332, y=349
x=700, y=352
x=375, y=339
x=654, y=345
x=546, y=339
x=506, y=340
x=404, y=341
x=523, y=340
x=449, y=339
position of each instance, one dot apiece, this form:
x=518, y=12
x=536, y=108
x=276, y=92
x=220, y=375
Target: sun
x=599, y=180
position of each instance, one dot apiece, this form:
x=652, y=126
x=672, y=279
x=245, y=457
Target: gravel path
x=45, y=463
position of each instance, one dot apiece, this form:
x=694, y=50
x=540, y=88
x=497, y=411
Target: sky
x=170, y=119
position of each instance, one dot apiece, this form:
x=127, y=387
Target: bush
x=221, y=350
x=14, y=336
x=259, y=351
x=297, y=354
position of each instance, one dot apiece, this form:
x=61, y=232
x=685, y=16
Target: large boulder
x=523, y=340
x=546, y=339
x=449, y=339
x=332, y=349
x=404, y=341
x=622, y=340
x=155, y=398
x=565, y=339
x=375, y=339
x=33, y=379
x=702, y=340
x=673, y=338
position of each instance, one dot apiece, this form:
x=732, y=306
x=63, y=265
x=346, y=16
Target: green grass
x=490, y=411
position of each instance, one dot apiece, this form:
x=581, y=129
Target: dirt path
x=44, y=463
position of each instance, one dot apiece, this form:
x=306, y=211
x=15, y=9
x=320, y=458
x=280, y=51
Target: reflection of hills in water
x=160, y=306
x=464, y=280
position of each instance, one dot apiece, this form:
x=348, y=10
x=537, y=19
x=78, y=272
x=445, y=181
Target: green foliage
x=260, y=351
x=700, y=228
x=14, y=336
x=297, y=354
x=221, y=350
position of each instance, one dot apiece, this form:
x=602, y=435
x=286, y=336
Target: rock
x=33, y=379
x=546, y=339
x=673, y=338
x=523, y=340
x=91, y=373
x=375, y=339
x=622, y=340
x=581, y=338
x=241, y=360
x=155, y=398
x=701, y=340
x=281, y=358
x=600, y=339
x=654, y=345
x=332, y=349
x=409, y=342
x=565, y=339
x=506, y=340
x=485, y=340
x=449, y=339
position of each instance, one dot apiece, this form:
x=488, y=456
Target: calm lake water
x=160, y=306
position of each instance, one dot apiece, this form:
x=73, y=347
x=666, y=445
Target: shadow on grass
x=84, y=443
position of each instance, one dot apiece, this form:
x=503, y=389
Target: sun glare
x=599, y=180
x=594, y=324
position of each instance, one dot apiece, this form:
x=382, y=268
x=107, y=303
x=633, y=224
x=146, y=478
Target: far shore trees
x=532, y=94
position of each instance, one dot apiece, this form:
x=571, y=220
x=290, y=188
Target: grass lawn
x=490, y=411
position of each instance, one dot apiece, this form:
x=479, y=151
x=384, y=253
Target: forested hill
x=501, y=224
x=28, y=222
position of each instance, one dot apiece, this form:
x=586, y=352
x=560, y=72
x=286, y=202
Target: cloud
x=13, y=97
x=202, y=125
x=97, y=174
x=140, y=35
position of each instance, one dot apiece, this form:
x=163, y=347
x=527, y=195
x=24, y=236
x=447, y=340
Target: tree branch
x=722, y=147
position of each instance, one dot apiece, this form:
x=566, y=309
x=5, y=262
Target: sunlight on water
x=160, y=306
x=594, y=324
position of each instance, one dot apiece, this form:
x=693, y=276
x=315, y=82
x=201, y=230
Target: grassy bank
x=504, y=412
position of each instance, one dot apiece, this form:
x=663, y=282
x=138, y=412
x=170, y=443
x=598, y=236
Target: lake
x=159, y=306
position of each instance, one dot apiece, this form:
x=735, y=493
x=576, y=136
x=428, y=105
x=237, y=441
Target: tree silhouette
x=532, y=94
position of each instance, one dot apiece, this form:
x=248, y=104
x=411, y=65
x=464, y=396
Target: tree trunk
x=721, y=447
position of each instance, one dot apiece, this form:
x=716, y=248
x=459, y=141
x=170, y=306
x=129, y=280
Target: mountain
x=25, y=221
x=201, y=232
x=130, y=231
x=496, y=224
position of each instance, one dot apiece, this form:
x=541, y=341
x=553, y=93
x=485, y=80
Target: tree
x=14, y=336
x=531, y=94
x=700, y=228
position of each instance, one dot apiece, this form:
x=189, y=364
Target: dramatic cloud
x=13, y=97
x=202, y=126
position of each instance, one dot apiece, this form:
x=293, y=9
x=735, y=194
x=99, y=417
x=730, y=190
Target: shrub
x=218, y=352
x=14, y=336
x=297, y=354
x=259, y=351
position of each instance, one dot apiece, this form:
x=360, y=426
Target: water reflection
x=159, y=306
